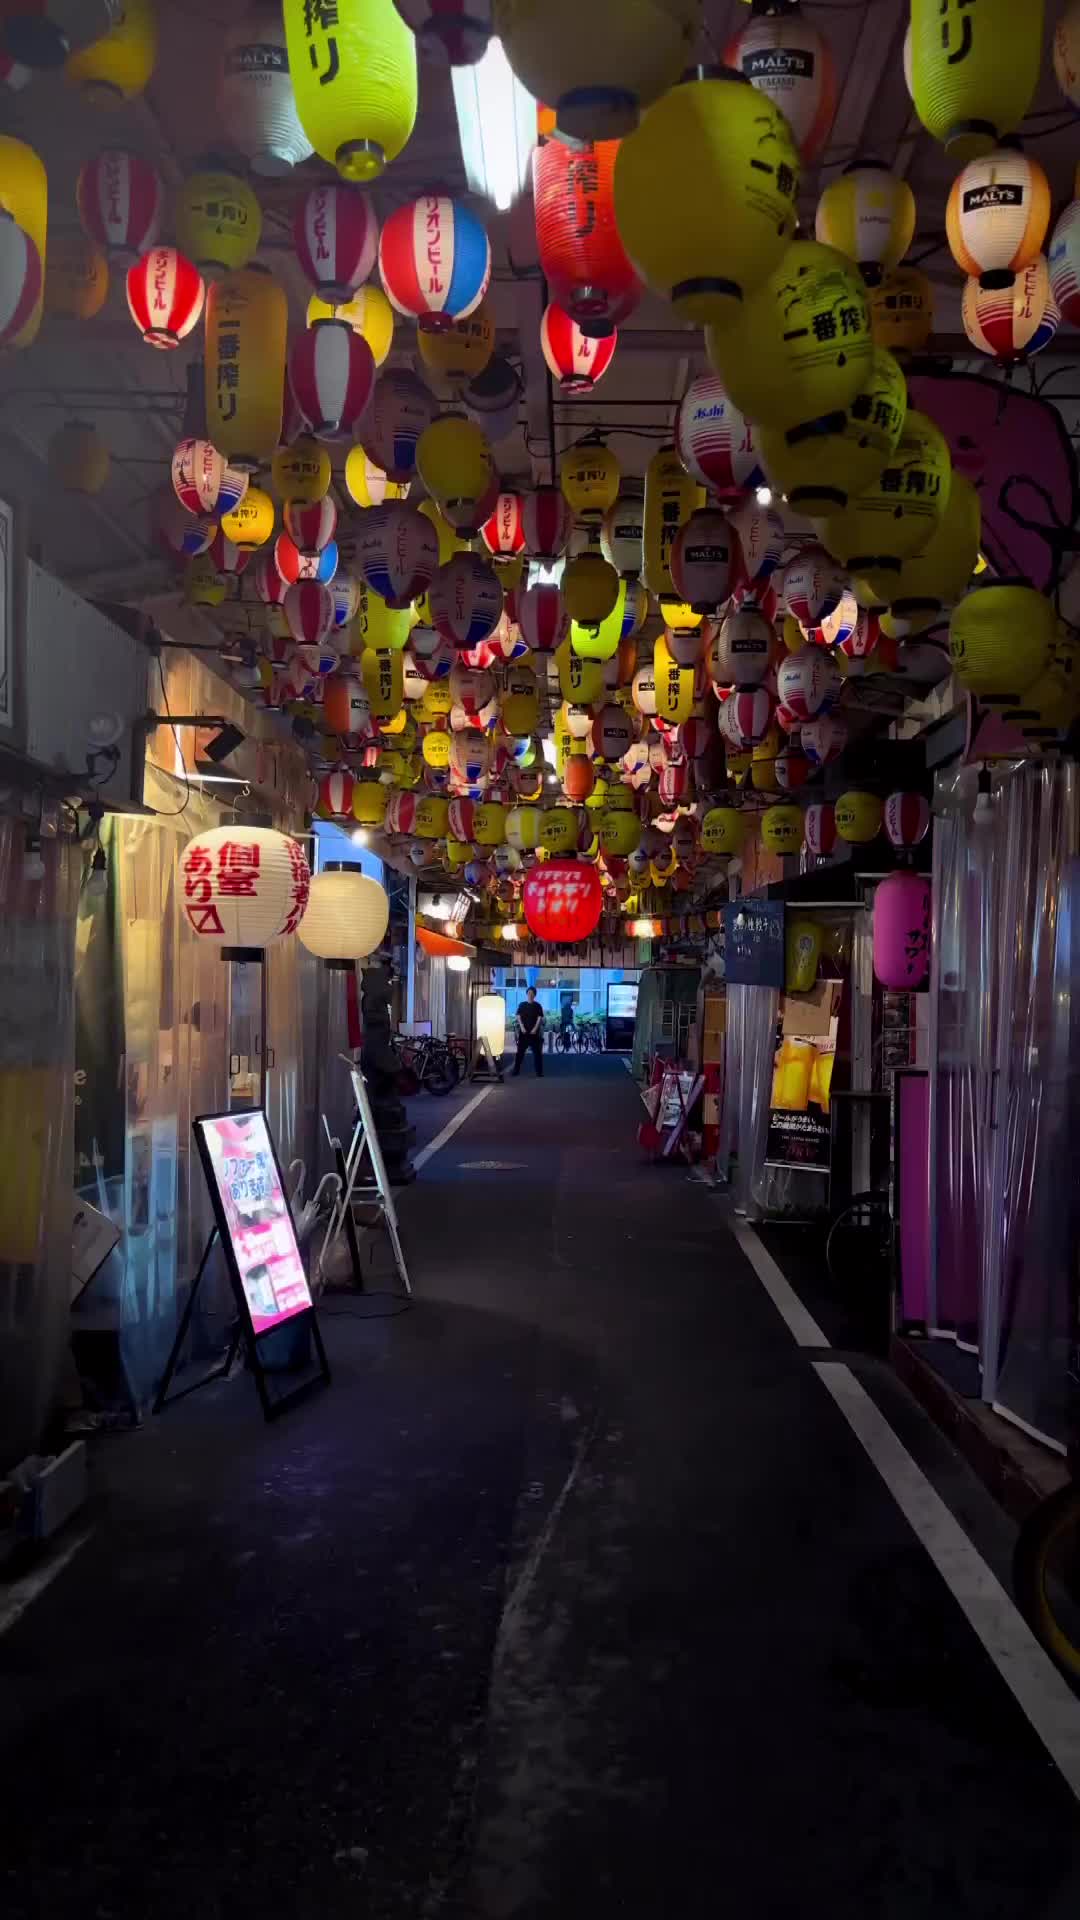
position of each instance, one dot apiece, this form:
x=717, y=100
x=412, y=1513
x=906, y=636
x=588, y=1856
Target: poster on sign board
x=253, y=1216
x=754, y=943
x=800, y=1126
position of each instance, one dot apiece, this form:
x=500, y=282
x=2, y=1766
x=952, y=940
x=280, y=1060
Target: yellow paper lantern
x=302, y=471
x=435, y=750
x=523, y=828
x=902, y=312
x=118, y=66
x=671, y=496
x=801, y=347
x=376, y=626
x=675, y=685
x=77, y=276
x=858, y=817
x=600, y=640
x=597, y=65
x=782, y=829
x=489, y=824
x=712, y=156
x=78, y=458
x=1047, y=708
x=246, y=323
x=520, y=702
x=384, y=682
x=369, y=486
x=937, y=576
x=251, y=521
x=869, y=215
x=590, y=589
x=24, y=193
x=589, y=477
x=802, y=951
x=581, y=682
x=896, y=517
x=453, y=460
x=457, y=353
x=205, y=587
x=823, y=471
x=723, y=831
x=974, y=69
x=1000, y=639
x=559, y=830
x=368, y=313
x=218, y=222
x=763, y=762
x=369, y=803
x=436, y=702
x=353, y=70
x=430, y=822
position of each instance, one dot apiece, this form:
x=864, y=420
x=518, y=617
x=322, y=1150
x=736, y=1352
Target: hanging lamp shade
x=1000, y=639
x=1015, y=322
x=367, y=311
x=623, y=528
x=548, y=523
x=596, y=66
x=902, y=932
x=782, y=829
x=310, y=524
x=246, y=323
x=574, y=359
x=20, y=281
x=997, y=215
x=347, y=913
x=701, y=559
x=740, y=648
x=819, y=471
x=250, y=523
x=203, y=481
x=77, y=276
x=974, y=70
x=457, y=353
x=671, y=496
x=619, y=833
x=434, y=261
x=453, y=460
x=868, y=214
x=336, y=236
x=345, y=592
x=366, y=484
x=902, y=311
x=590, y=589
x=218, y=221
x=78, y=458
x=800, y=349
x=376, y=625
x=120, y=200
x=165, y=296
x=353, y=70
x=858, y=817
x=895, y=518
x=118, y=66
x=675, y=685
x=228, y=557
x=811, y=586
x=714, y=131
x=716, y=444
x=302, y=472
x=335, y=795
x=723, y=831
x=466, y=601
x=788, y=60
x=819, y=829
x=332, y=378
x=397, y=552
x=453, y=30
x=543, y=618
x=750, y=712
x=582, y=257
x=399, y=410
x=255, y=95
x=589, y=477
x=503, y=533
x=243, y=888
x=519, y=704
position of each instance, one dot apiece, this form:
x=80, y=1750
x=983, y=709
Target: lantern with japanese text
x=519, y=704
x=811, y=586
x=800, y=348
x=366, y=484
x=716, y=445
x=336, y=236
x=400, y=409
x=548, y=523
x=243, y=888
x=562, y=901
x=434, y=260
x=819, y=829
x=723, y=831
x=581, y=254
x=589, y=477
x=590, y=589
x=974, y=70
x=470, y=757
x=575, y=359
x=868, y=214
x=20, y=280
x=823, y=739
x=1000, y=638
x=384, y=681
x=788, y=60
x=902, y=312
x=598, y=68
x=309, y=610
x=761, y=537
x=902, y=932
x=543, y=618
x=503, y=533
x=218, y=221
x=818, y=472
x=165, y=296
x=345, y=594
x=301, y=473
x=1015, y=322
x=310, y=524
x=907, y=820
x=791, y=769
x=858, y=817
x=997, y=216
x=896, y=516
x=251, y=522
x=1064, y=262
x=397, y=552
x=935, y=578
x=701, y=560
x=751, y=711
x=255, y=95
x=119, y=197
x=671, y=496
x=367, y=311
x=782, y=829
x=293, y=565
x=803, y=683
x=454, y=462
x=332, y=377
x=466, y=600
x=246, y=321
x=353, y=70
x=456, y=353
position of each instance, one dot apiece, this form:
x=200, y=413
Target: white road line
x=421, y=1159
x=1034, y=1682
x=799, y=1321
x=15, y=1599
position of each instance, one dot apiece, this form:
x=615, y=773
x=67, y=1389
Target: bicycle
x=428, y=1063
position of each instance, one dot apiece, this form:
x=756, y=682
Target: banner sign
x=800, y=1131
x=754, y=943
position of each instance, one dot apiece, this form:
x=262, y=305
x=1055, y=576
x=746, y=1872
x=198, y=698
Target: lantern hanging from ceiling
x=118, y=66
x=619, y=833
x=470, y=754
x=811, y=586
x=332, y=377
x=579, y=778
x=347, y=913
x=902, y=311
x=623, y=528
x=368, y=312
x=520, y=703
x=791, y=769
x=456, y=30
x=400, y=409
x=336, y=236
x=543, y=618
x=804, y=682
x=589, y=477
x=761, y=538
x=434, y=261
x=902, y=931
x=398, y=552
x=454, y=462
x=246, y=323
x=366, y=484
x=974, y=70
x=203, y=481
x=895, y=518
x=383, y=675
x=612, y=733
x=1015, y=322
x=548, y=523
x=353, y=70
x=821, y=470
x=590, y=589
x=165, y=295
x=255, y=95
x=740, y=648
x=935, y=578
x=801, y=347
x=78, y=458
x=824, y=739
x=716, y=445
x=868, y=214
x=503, y=533
x=492, y=399
x=250, y=523
x=310, y=524
x=600, y=639
x=711, y=143
x=181, y=532
x=77, y=275
x=293, y=565
x=858, y=817
x=20, y=280
x=24, y=196
x=782, y=829
x=597, y=67
x=120, y=200
x=562, y=901
x=701, y=558
x=671, y=496
x=243, y=887
x=1000, y=639
x=1065, y=47
x=751, y=713
x=997, y=216
x=789, y=61
x=229, y=558
x=335, y=795
x=573, y=358
x=218, y=221
x=345, y=594
x=723, y=831
x=466, y=600
x=819, y=830
x=203, y=585
x=379, y=627
x=907, y=820
x=301, y=472
x=581, y=254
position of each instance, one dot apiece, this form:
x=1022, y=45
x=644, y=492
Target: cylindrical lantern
x=821, y=471
x=332, y=377
x=165, y=296
x=902, y=932
x=692, y=169
x=78, y=458
x=751, y=711
x=599, y=68
x=398, y=552
x=246, y=323
x=203, y=482
x=347, y=712
x=119, y=197
x=907, y=820
x=671, y=496
x=974, y=70
x=740, y=648
x=543, y=618
x=622, y=531
x=301, y=473
x=255, y=94
x=336, y=236
x=782, y=829
x=1000, y=639
x=562, y=901
x=819, y=829
x=310, y=524
x=77, y=276
x=997, y=216
x=803, y=683
x=548, y=523
x=868, y=214
x=898, y=514
x=218, y=222
x=858, y=817
x=346, y=918
x=243, y=888
x=400, y=410
x=353, y=69
x=902, y=312
x=454, y=462
x=384, y=681
x=575, y=359
x=589, y=477
x=786, y=58
x=251, y=522
x=466, y=600
x=434, y=260
x=581, y=254
x=118, y=66
x=1015, y=322
x=701, y=560
x=801, y=347
x=716, y=444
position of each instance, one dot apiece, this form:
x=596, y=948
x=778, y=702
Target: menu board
x=253, y=1215
x=754, y=943
x=622, y=1000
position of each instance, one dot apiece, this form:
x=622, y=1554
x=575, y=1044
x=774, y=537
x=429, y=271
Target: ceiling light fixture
x=497, y=124
x=764, y=496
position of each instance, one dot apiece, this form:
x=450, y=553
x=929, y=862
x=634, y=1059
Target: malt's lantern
x=353, y=70
x=246, y=322
x=255, y=94
x=974, y=70
x=701, y=560
x=581, y=254
x=997, y=216
x=788, y=60
x=622, y=530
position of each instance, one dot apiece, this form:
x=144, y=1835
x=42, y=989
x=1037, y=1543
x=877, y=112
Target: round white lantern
x=491, y=1022
x=243, y=888
x=347, y=916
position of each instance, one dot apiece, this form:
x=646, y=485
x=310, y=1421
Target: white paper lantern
x=243, y=888
x=491, y=1022
x=347, y=916
x=255, y=98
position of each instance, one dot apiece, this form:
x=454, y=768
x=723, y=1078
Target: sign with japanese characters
x=800, y=1130
x=243, y=887
x=253, y=1216
x=754, y=943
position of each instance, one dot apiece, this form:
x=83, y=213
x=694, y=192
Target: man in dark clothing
x=530, y=1032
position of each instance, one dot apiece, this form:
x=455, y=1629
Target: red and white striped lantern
x=400, y=815
x=574, y=358
x=791, y=769
x=401, y=407
x=860, y=641
x=715, y=442
x=459, y=818
x=466, y=601
x=751, y=713
x=434, y=261
x=228, y=558
x=761, y=542
x=203, y=481
x=332, y=376
x=20, y=278
x=182, y=533
x=907, y=819
x=694, y=737
x=740, y=648
x=819, y=829
x=434, y=656
x=310, y=524
x=165, y=295
x=470, y=758
x=471, y=691
x=811, y=586
x=840, y=627
x=309, y=610
x=701, y=558
x=119, y=197
x=503, y=534
x=293, y=565
x=543, y=618
x=824, y=739
x=672, y=782
x=548, y=522
x=336, y=795
x=336, y=236
x=397, y=552
x=802, y=683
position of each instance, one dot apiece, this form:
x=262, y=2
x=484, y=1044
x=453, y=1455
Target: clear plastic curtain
x=37, y=1065
x=750, y=1046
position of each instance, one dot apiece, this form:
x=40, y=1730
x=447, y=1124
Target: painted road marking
x=421, y=1159
x=799, y=1321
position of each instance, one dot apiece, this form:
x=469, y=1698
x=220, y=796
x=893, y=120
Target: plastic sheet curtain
x=750, y=1045
x=37, y=1066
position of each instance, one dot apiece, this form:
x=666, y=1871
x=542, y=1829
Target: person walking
x=530, y=1033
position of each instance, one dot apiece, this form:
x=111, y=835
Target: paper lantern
x=384, y=682
x=579, y=778
x=292, y=565
x=562, y=901
x=492, y=399
x=309, y=610
x=434, y=260
x=590, y=589
x=713, y=130
x=347, y=712
x=243, y=888
x=456, y=30
x=251, y=522
x=336, y=236
x=751, y=712
x=519, y=704
x=701, y=559
x=791, y=769
x=203, y=585
x=896, y=517
x=301, y=474
x=597, y=67
x=858, y=817
x=165, y=296
x=803, y=683
x=345, y=593
x=466, y=600
x=118, y=66
x=589, y=477
x=740, y=648
x=612, y=733
x=937, y=576
x=24, y=196
x=454, y=463
x=1015, y=322
x=332, y=377
x=974, y=70
x=77, y=276
x=869, y=215
x=181, y=532
x=218, y=221
x=503, y=533
x=354, y=74
x=367, y=311
x=489, y=824
x=675, y=685
x=821, y=470
x=369, y=803
x=78, y=457
x=619, y=833
x=997, y=216
x=811, y=586
x=723, y=831
x=671, y=496
x=622, y=531
x=400, y=409
x=823, y=739
x=574, y=359
x=366, y=484
x=1000, y=639
x=20, y=280
x=548, y=523
x=800, y=349
x=581, y=254
x=458, y=352
x=907, y=820
x=335, y=796
x=819, y=830
x=255, y=95
x=310, y=524
x=782, y=829
x=643, y=690
x=1065, y=49
x=246, y=322
x=347, y=916
x=761, y=536
x=397, y=552
x=120, y=199
x=716, y=445
x=902, y=311
x=902, y=932
x=543, y=618
x=788, y=60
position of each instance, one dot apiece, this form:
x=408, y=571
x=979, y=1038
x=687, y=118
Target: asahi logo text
x=779, y=63
x=1004, y=195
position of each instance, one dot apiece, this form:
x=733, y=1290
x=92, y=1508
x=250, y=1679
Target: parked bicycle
x=427, y=1063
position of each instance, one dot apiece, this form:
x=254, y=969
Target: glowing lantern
x=523, y=826
x=701, y=560
x=367, y=311
x=811, y=586
x=819, y=830
x=997, y=216
x=310, y=524
x=382, y=672
x=858, y=817
x=397, y=553
x=336, y=237
x=346, y=711
x=562, y=901
x=354, y=76
x=675, y=685
x=435, y=261
x=1000, y=639
x=454, y=463
x=435, y=750
x=243, y=887
x=974, y=70
x=165, y=296
x=78, y=458
x=869, y=215
x=503, y=534
x=118, y=66
x=716, y=445
x=782, y=829
x=896, y=517
x=302, y=473
x=292, y=565
x=347, y=916
x=581, y=254
x=119, y=197
x=823, y=739
x=751, y=711
x=1014, y=322
x=670, y=498
x=366, y=484
x=937, y=576
x=803, y=683
x=590, y=589
x=579, y=778
x=77, y=276
x=489, y=824
x=723, y=831
x=902, y=932
x=309, y=610
x=907, y=820
x=335, y=796
x=519, y=705
x=596, y=68
x=218, y=222
x=457, y=353
x=345, y=594
x=369, y=803
x=822, y=470
x=255, y=95
x=20, y=280
x=902, y=311
x=332, y=377
x=466, y=600
x=548, y=523
x=575, y=359
x=543, y=618
x=801, y=347
x=589, y=477
x=788, y=60
x=470, y=755
x=762, y=539
x=400, y=410
x=246, y=322
x=619, y=832
x=251, y=522
x=713, y=130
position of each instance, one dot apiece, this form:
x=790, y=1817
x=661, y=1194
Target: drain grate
x=491, y=1166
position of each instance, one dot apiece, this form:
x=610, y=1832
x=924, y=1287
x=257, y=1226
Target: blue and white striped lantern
x=435, y=261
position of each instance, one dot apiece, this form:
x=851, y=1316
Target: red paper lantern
x=332, y=376
x=228, y=558
x=400, y=816
x=751, y=712
x=902, y=932
x=503, y=533
x=20, y=278
x=694, y=736
x=336, y=236
x=336, y=796
x=548, y=523
x=824, y=739
x=562, y=901
x=309, y=610
x=165, y=295
x=119, y=196
x=575, y=360
x=310, y=524
x=581, y=255
x=579, y=778
x=294, y=565
x=459, y=818
x=907, y=819
x=672, y=782
x=819, y=829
